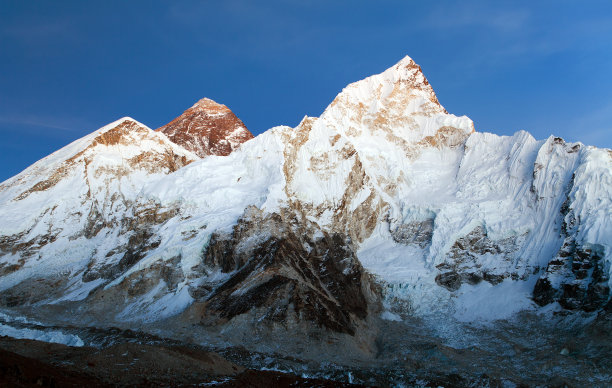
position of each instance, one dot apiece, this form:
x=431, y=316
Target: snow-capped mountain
x=62, y=212
x=383, y=206
x=207, y=128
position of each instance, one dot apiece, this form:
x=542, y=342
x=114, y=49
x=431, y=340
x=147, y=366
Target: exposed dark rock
x=32, y=290
x=475, y=242
x=417, y=233
x=472, y=277
x=319, y=280
x=254, y=297
x=449, y=280
x=543, y=292
x=142, y=281
x=220, y=253
x=140, y=229
x=462, y=264
x=492, y=278
x=207, y=128
x=579, y=273
x=171, y=272
x=26, y=248
x=138, y=244
x=581, y=276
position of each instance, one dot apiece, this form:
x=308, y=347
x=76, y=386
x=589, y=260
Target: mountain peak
x=209, y=106
x=402, y=86
x=207, y=128
x=382, y=211
x=407, y=69
x=127, y=118
x=397, y=103
x=407, y=60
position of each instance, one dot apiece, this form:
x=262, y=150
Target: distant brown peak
x=209, y=106
x=207, y=128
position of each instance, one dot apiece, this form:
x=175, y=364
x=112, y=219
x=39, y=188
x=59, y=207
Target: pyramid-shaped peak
x=124, y=125
x=122, y=121
x=207, y=128
x=406, y=61
x=401, y=91
x=208, y=105
x=407, y=69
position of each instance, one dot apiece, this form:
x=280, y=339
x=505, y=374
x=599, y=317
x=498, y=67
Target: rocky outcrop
x=417, y=232
x=463, y=260
x=293, y=273
x=577, y=278
x=207, y=128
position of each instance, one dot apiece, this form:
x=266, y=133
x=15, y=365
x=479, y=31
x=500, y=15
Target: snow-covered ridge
x=61, y=211
x=121, y=220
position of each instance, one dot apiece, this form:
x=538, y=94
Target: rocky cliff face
x=207, y=128
x=293, y=273
x=383, y=207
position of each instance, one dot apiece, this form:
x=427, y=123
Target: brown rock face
x=293, y=276
x=207, y=128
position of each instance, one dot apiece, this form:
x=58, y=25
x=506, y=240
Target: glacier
x=425, y=217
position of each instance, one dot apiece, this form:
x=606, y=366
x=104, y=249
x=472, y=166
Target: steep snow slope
x=384, y=182
x=70, y=211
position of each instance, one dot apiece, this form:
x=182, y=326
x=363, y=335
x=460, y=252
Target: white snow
x=484, y=302
x=388, y=127
x=53, y=336
x=389, y=316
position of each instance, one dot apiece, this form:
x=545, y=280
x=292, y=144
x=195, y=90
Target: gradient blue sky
x=69, y=67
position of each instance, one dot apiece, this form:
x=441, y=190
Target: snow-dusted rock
x=439, y=214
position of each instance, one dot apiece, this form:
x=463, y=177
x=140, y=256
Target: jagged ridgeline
x=384, y=207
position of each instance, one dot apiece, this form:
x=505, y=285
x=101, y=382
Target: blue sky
x=70, y=67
